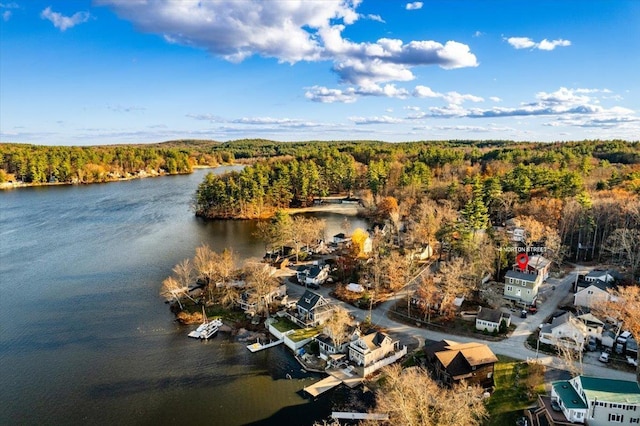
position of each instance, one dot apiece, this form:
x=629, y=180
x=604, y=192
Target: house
x=371, y=347
x=565, y=330
x=594, y=325
x=490, y=319
x=249, y=304
x=317, y=274
x=590, y=294
x=522, y=287
x=311, y=310
x=450, y=362
x=518, y=234
x=340, y=238
x=539, y=265
x=328, y=348
x=600, y=275
x=595, y=401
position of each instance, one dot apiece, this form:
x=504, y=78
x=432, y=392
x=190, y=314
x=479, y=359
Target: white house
x=248, y=303
x=539, y=265
x=565, y=330
x=594, y=325
x=598, y=401
x=369, y=348
x=317, y=274
x=599, y=275
x=591, y=293
x=490, y=319
x=328, y=346
x=311, y=310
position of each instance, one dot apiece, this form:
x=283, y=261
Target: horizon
x=107, y=72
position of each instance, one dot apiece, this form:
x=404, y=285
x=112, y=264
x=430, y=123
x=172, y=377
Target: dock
x=255, y=347
x=336, y=377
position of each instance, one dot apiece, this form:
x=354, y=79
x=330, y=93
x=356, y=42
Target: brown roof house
x=450, y=362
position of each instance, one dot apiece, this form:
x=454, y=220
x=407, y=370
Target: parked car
x=591, y=344
x=604, y=357
x=523, y=313
x=632, y=361
x=555, y=406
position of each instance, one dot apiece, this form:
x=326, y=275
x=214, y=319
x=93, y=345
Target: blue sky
x=127, y=71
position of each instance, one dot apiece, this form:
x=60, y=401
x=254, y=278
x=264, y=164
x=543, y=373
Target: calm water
x=84, y=336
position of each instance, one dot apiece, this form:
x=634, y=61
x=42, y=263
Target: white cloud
x=414, y=5
x=62, y=22
x=478, y=34
x=385, y=119
x=291, y=31
x=376, y=18
x=550, y=45
x=451, y=97
x=495, y=99
x=526, y=43
x=6, y=15
x=328, y=96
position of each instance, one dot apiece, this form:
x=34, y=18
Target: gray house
x=311, y=310
x=522, y=287
x=490, y=319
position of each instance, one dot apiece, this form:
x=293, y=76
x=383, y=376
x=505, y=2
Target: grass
x=284, y=324
x=304, y=333
x=517, y=385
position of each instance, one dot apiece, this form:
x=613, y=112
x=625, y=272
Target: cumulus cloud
x=7, y=10
x=414, y=5
x=451, y=97
x=329, y=96
x=291, y=31
x=62, y=22
x=527, y=43
x=569, y=106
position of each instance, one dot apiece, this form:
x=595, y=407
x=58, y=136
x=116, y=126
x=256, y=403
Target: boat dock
x=336, y=376
x=255, y=347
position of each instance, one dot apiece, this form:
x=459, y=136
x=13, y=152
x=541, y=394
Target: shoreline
x=349, y=209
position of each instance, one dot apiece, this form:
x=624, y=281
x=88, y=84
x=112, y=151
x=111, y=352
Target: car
x=632, y=361
x=313, y=286
x=555, y=406
x=604, y=357
x=523, y=313
x=591, y=344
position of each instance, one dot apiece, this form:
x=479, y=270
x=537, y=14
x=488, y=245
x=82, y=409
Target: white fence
x=385, y=361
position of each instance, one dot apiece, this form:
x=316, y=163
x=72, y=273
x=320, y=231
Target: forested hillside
x=580, y=200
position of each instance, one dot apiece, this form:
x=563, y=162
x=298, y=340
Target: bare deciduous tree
x=337, y=327
x=260, y=282
x=411, y=398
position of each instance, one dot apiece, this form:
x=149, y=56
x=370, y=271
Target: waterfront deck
x=336, y=377
x=255, y=347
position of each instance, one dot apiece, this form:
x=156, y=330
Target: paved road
x=554, y=291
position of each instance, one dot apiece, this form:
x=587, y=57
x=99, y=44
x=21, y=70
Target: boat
x=207, y=329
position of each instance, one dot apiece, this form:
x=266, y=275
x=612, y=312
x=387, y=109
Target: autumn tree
x=204, y=263
x=358, y=239
x=411, y=398
x=172, y=290
x=624, y=305
x=260, y=283
x=624, y=246
x=453, y=282
x=337, y=326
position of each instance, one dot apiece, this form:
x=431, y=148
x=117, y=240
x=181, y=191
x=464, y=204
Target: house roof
x=491, y=315
x=599, y=284
x=599, y=273
x=310, y=300
x=458, y=358
x=521, y=276
x=373, y=340
x=568, y=395
x=538, y=262
x=610, y=390
x=569, y=318
x=590, y=318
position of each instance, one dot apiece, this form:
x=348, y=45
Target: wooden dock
x=322, y=386
x=336, y=376
x=255, y=347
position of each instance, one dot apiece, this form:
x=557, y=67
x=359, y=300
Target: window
x=618, y=418
x=509, y=288
x=634, y=420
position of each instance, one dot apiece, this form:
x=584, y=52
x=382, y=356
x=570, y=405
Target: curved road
x=513, y=346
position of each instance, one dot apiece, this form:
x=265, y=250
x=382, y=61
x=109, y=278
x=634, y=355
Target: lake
x=85, y=337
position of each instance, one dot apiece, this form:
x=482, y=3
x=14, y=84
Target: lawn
x=517, y=385
x=284, y=324
x=304, y=333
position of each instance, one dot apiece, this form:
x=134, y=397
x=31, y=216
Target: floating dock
x=255, y=347
x=336, y=376
x=322, y=386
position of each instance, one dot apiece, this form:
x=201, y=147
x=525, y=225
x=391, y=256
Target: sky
x=83, y=72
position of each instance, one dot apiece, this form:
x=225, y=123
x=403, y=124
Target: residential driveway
x=554, y=290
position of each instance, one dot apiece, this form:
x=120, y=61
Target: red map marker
x=522, y=260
